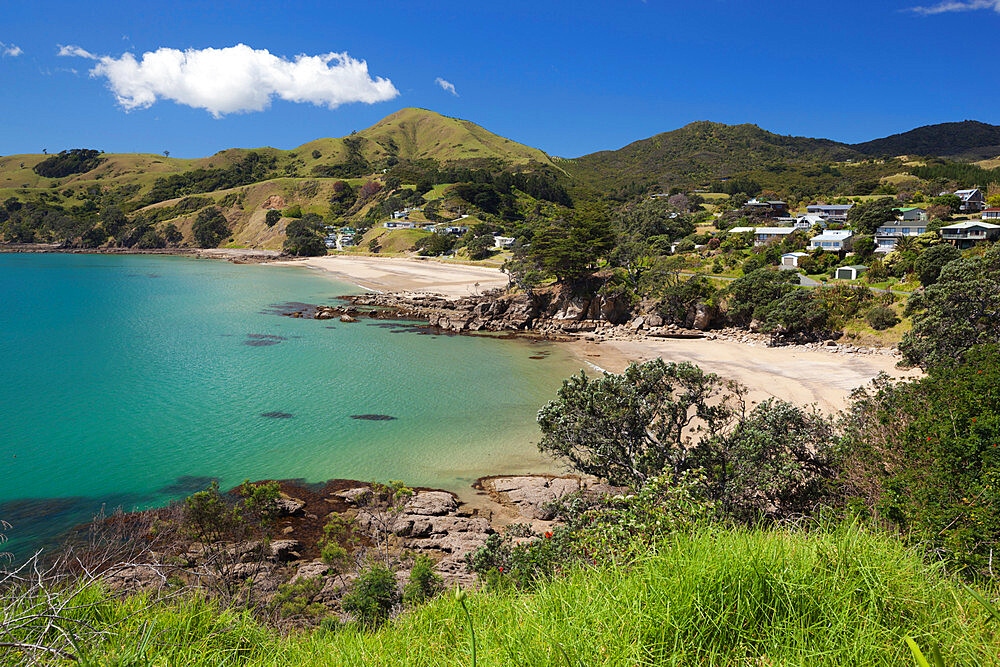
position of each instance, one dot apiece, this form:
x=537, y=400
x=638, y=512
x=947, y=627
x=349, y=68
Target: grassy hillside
x=712, y=597
x=418, y=134
x=967, y=140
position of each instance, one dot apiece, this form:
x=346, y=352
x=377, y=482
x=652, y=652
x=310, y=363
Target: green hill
x=968, y=140
x=702, y=152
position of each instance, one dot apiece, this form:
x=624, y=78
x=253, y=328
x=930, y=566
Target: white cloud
x=235, y=79
x=12, y=50
x=957, y=6
x=75, y=51
x=446, y=85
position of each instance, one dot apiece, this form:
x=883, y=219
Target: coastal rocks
x=290, y=506
x=703, y=316
x=348, y=318
x=432, y=503
x=310, y=570
x=285, y=550
x=531, y=494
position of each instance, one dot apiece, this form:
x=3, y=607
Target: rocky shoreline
x=559, y=316
x=432, y=522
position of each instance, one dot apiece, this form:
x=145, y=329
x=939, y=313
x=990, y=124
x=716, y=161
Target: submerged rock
x=374, y=418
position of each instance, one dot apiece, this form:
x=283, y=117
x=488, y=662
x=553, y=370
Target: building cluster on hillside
x=833, y=233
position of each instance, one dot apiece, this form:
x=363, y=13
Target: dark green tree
x=929, y=263
x=629, y=428
x=756, y=290
x=304, y=236
x=569, y=249
x=210, y=228
x=272, y=217
x=866, y=217
x=960, y=310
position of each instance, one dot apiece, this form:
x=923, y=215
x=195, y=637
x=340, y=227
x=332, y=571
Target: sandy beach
x=405, y=275
x=796, y=374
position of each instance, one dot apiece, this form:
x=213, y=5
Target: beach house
x=831, y=212
x=991, y=215
x=763, y=235
x=967, y=234
x=973, y=200
x=888, y=235
x=833, y=240
x=791, y=259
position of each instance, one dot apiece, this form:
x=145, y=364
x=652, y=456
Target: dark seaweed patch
x=374, y=418
x=536, y=357
x=277, y=415
x=263, y=340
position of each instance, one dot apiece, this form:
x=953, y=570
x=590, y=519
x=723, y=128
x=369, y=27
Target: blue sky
x=567, y=77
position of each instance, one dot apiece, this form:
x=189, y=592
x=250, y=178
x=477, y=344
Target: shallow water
x=134, y=380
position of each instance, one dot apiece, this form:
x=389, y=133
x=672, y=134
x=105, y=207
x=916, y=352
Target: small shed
x=852, y=272
x=792, y=258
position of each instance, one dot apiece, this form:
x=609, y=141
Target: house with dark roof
x=912, y=214
x=832, y=212
x=888, y=235
x=973, y=200
x=769, y=208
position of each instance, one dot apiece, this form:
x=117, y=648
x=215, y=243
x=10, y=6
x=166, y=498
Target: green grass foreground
x=715, y=597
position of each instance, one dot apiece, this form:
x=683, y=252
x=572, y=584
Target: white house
x=991, y=215
x=834, y=212
x=503, y=242
x=888, y=235
x=833, y=240
x=455, y=229
x=399, y=225
x=762, y=235
x=850, y=272
x=792, y=258
x=973, y=200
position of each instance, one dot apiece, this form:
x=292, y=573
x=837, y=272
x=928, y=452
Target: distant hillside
x=968, y=140
x=702, y=152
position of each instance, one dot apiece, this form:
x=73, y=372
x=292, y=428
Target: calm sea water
x=128, y=381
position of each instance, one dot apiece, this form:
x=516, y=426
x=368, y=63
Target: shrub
x=316, y=155
x=337, y=537
x=67, y=163
x=881, y=317
x=297, y=599
x=272, y=217
x=210, y=228
x=929, y=263
x=293, y=211
x=424, y=582
x=373, y=596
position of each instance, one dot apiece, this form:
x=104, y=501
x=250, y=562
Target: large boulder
x=290, y=506
x=431, y=503
x=530, y=494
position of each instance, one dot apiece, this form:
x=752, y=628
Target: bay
x=132, y=380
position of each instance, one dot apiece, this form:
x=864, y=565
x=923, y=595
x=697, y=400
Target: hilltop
x=968, y=140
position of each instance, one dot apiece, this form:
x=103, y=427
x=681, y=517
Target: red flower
x=548, y=533
x=501, y=568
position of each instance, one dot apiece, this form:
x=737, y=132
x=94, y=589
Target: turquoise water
x=130, y=380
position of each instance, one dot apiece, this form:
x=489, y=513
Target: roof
x=856, y=267
x=796, y=254
x=966, y=192
x=831, y=207
x=994, y=209
x=906, y=209
x=834, y=235
x=972, y=223
x=762, y=230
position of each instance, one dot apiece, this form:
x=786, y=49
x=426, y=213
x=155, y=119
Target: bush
x=929, y=263
x=373, y=596
x=210, y=228
x=272, y=217
x=297, y=599
x=67, y=163
x=424, y=582
x=881, y=317
x=293, y=211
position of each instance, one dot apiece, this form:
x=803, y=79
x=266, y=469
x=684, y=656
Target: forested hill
x=702, y=152
x=968, y=140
